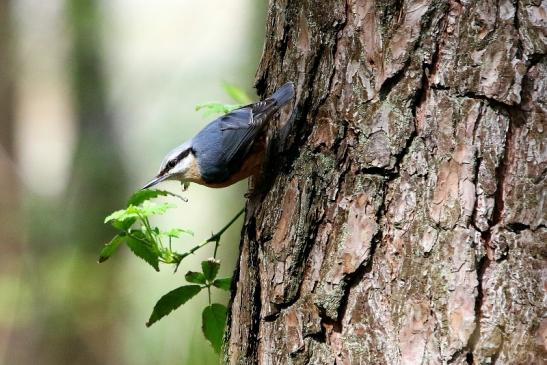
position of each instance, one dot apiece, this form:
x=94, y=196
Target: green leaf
x=216, y=108
x=210, y=268
x=123, y=225
x=195, y=277
x=146, y=194
x=110, y=248
x=143, y=251
x=236, y=93
x=148, y=209
x=213, y=322
x=176, y=232
x=223, y=283
x=121, y=215
x=171, y=301
x=133, y=212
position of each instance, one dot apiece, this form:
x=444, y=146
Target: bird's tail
x=283, y=95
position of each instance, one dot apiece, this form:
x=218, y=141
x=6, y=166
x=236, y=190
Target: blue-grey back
x=212, y=145
x=223, y=145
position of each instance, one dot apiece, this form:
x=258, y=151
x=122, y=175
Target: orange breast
x=250, y=167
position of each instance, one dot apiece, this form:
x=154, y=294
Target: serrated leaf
x=133, y=212
x=195, y=277
x=110, y=248
x=236, y=93
x=123, y=225
x=121, y=215
x=171, y=301
x=139, y=234
x=210, y=268
x=146, y=194
x=224, y=283
x=148, y=209
x=176, y=232
x=213, y=322
x=143, y=251
x=213, y=107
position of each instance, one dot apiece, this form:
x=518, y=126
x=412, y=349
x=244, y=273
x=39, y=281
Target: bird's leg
x=250, y=189
x=257, y=182
x=253, y=182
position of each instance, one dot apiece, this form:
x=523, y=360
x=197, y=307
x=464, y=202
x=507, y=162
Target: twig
x=214, y=238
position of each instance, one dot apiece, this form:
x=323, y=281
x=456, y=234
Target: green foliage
x=210, y=268
x=134, y=229
x=177, y=232
x=171, y=301
x=213, y=321
x=123, y=225
x=146, y=194
x=195, y=277
x=143, y=250
x=223, y=283
x=110, y=248
x=236, y=93
x=147, y=209
x=213, y=107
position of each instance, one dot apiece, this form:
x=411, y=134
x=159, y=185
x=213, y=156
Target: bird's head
x=179, y=164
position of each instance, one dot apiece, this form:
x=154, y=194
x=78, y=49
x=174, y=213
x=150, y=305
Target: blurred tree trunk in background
x=8, y=184
x=84, y=330
x=10, y=242
x=407, y=221
x=98, y=175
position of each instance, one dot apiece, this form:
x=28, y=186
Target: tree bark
x=404, y=218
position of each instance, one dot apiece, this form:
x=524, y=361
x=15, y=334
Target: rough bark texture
x=404, y=219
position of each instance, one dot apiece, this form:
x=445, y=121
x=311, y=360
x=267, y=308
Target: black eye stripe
x=172, y=163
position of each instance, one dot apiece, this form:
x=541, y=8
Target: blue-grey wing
x=239, y=130
x=222, y=145
x=240, y=127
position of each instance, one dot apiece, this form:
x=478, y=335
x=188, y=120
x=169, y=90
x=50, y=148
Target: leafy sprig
x=154, y=246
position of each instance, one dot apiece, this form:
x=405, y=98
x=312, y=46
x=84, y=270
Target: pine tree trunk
x=403, y=219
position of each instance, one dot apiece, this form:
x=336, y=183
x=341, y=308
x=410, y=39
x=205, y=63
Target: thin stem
x=146, y=243
x=217, y=243
x=219, y=233
x=148, y=230
x=149, y=226
x=209, y=292
x=214, y=238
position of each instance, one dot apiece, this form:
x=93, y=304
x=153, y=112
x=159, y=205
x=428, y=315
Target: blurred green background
x=92, y=96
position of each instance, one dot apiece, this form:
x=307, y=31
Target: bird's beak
x=155, y=181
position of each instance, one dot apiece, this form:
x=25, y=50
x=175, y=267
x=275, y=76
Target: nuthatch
x=228, y=149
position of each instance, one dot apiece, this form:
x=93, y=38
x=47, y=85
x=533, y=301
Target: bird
x=228, y=149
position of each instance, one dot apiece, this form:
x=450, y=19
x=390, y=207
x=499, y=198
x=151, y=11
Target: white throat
x=182, y=167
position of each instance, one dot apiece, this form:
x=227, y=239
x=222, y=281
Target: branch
x=214, y=238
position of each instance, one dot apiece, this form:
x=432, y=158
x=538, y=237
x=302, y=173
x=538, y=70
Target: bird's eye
x=171, y=164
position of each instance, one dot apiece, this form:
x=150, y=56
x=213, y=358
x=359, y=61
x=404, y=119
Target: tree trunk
x=404, y=221
x=9, y=194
